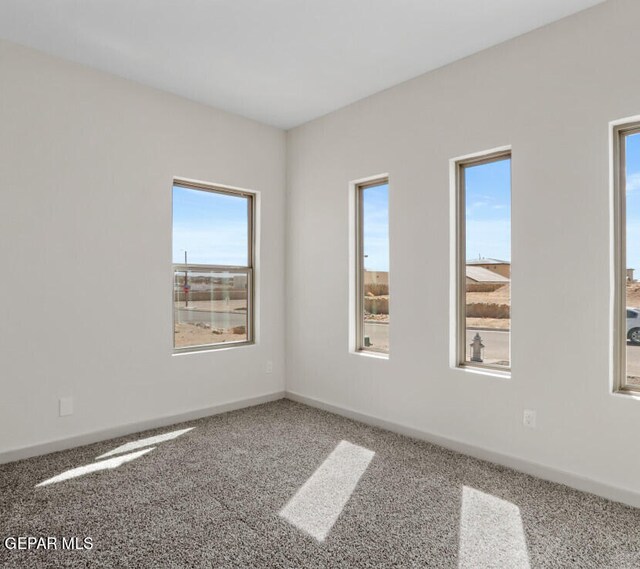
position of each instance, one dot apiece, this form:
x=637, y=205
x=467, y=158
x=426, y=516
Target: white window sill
x=374, y=355
x=217, y=348
x=479, y=370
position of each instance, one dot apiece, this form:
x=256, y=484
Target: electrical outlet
x=66, y=406
x=269, y=367
x=529, y=418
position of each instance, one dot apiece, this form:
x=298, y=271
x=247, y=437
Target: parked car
x=633, y=325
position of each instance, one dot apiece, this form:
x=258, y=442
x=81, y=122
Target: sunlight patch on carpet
x=149, y=441
x=491, y=533
x=319, y=502
x=95, y=467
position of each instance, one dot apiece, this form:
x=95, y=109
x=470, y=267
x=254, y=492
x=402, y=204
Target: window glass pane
x=211, y=297
x=375, y=279
x=632, y=158
x=211, y=228
x=487, y=205
x=213, y=310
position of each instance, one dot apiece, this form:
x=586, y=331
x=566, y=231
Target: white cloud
x=633, y=182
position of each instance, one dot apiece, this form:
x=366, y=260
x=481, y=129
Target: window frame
x=249, y=269
x=359, y=188
x=460, y=260
x=619, y=172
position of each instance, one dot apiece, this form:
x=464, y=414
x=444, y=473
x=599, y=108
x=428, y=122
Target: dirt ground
x=502, y=296
x=376, y=317
x=499, y=296
x=191, y=335
x=493, y=323
x=633, y=295
x=633, y=380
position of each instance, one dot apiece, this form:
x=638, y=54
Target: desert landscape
x=479, y=304
x=205, y=322
x=220, y=321
x=633, y=294
x=188, y=334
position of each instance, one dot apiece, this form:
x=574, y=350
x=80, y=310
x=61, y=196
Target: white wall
x=549, y=94
x=86, y=162
x=86, y=168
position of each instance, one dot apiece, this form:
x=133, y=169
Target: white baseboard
x=576, y=481
x=130, y=428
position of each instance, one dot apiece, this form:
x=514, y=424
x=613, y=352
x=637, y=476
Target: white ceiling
x=282, y=62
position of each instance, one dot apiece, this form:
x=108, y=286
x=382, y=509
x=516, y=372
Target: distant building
x=482, y=276
x=494, y=265
x=376, y=277
x=630, y=278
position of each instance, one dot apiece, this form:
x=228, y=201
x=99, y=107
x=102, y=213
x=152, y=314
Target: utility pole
x=186, y=281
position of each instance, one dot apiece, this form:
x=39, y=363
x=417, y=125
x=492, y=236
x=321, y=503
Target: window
x=372, y=270
x=627, y=258
x=483, y=261
x=212, y=267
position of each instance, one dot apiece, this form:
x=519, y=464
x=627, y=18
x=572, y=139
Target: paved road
x=633, y=360
x=216, y=319
x=496, y=344
x=497, y=347
x=378, y=333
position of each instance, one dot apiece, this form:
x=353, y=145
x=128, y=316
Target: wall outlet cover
x=529, y=418
x=66, y=406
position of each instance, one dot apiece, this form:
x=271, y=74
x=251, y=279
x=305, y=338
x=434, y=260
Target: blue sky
x=211, y=227
x=633, y=202
x=488, y=210
x=203, y=221
x=375, y=228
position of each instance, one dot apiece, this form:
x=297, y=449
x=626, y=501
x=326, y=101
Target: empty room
x=260, y=261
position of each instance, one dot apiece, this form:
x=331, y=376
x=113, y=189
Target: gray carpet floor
x=213, y=497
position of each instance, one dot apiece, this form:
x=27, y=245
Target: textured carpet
x=276, y=486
